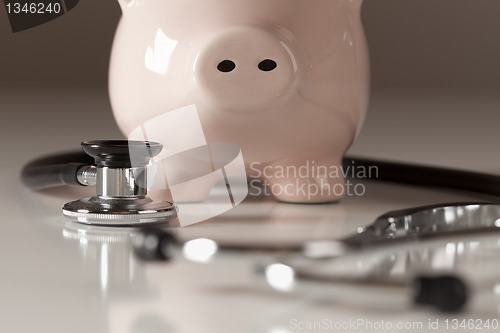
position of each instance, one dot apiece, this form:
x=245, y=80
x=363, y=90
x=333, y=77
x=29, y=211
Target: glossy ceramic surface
x=285, y=80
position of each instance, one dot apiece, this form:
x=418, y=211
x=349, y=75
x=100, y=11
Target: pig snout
x=245, y=68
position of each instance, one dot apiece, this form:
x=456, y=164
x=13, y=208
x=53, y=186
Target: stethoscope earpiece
x=154, y=244
x=444, y=292
x=448, y=293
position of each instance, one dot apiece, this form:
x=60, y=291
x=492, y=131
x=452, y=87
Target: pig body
x=286, y=80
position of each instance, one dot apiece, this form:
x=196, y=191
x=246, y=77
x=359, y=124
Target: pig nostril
x=267, y=65
x=226, y=66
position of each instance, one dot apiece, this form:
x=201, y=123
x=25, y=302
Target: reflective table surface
x=60, y=276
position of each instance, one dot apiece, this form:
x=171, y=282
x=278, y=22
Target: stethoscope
x=118, y=168
x=121, y=199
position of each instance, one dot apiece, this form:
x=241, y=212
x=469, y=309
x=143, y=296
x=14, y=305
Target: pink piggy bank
x=285, y=80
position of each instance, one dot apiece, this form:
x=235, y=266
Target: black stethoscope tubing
x=61, y=169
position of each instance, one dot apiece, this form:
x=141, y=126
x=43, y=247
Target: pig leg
x=312, y=178
x=195, y=191
x=182, y=183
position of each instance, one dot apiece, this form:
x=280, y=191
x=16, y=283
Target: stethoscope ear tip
x=154, y=244
x=448, y=293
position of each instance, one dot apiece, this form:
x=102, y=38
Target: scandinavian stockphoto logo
x=24, y=14
x=310, y=180
x=204, y=179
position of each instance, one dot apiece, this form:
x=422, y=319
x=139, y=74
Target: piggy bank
x=285, y=80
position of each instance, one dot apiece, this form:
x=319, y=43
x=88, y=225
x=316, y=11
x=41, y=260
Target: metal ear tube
x=120, y=177
x=320, y=265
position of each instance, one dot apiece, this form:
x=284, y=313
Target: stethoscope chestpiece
x=121, y=185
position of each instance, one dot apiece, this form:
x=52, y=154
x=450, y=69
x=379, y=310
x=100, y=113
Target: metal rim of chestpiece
x=120, y=177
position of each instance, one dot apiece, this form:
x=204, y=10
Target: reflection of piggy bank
x=286, y=80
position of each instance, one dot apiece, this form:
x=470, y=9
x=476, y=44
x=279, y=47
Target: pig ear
x=125, y=4
x=355, y=4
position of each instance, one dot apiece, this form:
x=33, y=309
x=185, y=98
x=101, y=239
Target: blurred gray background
x=438, y=45
x=435, y=82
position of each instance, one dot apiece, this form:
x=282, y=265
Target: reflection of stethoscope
x=120, y=176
